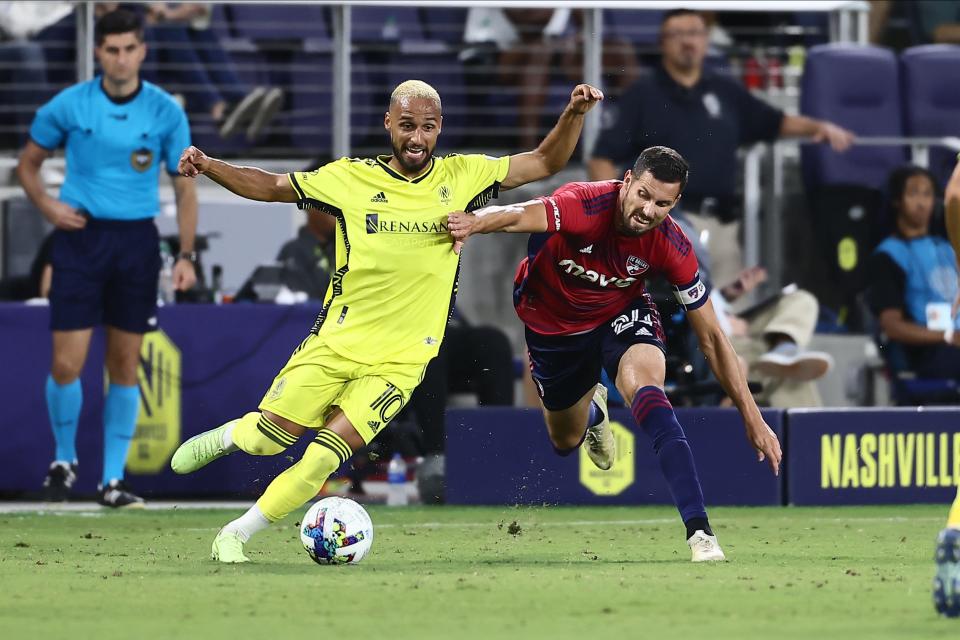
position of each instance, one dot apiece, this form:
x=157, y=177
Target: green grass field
x=460, y=573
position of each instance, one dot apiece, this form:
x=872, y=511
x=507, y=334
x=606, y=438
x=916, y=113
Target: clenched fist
x=193, y=162
x=583, y=98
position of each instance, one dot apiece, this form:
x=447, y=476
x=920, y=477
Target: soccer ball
x=336, y=531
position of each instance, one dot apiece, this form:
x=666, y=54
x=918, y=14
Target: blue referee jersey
x=114, y=147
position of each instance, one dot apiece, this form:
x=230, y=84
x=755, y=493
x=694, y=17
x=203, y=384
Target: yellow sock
x=301, y=482
x=259, y=436
x=953, y=520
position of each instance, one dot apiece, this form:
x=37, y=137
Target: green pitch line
x=556, y=572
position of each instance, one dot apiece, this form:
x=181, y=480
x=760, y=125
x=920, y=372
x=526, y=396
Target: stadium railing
x=341, y=55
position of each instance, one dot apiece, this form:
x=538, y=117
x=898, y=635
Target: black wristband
x=187, y=255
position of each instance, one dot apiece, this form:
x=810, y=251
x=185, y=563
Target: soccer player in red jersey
x=580, y=292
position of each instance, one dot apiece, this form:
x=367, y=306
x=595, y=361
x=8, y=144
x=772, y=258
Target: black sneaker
x=118, y=495
x=59, y=481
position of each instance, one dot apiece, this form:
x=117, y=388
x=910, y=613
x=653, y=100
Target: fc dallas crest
x=636, y=266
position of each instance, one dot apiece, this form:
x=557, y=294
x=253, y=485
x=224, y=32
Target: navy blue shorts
x=565, y=367
x=105, y=273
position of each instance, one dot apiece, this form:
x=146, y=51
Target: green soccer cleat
x=601, y=445
x=201, y=450
x=228, y=548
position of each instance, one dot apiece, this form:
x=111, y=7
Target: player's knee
x=64, y=369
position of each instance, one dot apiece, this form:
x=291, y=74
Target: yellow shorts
x=316, y=380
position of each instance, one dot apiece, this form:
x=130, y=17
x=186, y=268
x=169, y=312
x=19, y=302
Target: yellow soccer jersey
x=396, y=272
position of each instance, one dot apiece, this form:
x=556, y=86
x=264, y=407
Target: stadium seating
x=386, y=24
x=444, y=24
x=281, y=22
x=931, y=99
x=641, y=28
x=856, y=87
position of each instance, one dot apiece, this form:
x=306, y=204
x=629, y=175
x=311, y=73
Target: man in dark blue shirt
x=705, y=116
x=117, y=132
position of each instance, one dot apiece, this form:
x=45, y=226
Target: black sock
x=698, y=524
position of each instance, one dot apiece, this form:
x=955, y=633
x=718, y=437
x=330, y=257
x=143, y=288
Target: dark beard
x=621, y=227
x=409, y=168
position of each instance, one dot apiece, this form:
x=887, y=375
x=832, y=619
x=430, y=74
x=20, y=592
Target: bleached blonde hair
x=414, y=89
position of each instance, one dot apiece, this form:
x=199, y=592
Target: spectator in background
x=772, y=336
x=34, y=285
x=938, y=21
x=307, y=259
x=23, y=67
x=705, y=116
x=527, y=40
x=913, y=278
x=531, y=44
x=195, y=64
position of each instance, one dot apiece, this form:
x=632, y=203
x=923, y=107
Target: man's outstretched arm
x=249, y=182
x=524, y=217
x=554, y=152
x=723, y=361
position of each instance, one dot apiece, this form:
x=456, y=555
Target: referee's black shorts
x=105, y=273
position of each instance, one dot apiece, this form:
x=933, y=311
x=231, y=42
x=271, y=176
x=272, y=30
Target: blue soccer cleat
x=946, y=583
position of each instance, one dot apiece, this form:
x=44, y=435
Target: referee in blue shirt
x=117, y=131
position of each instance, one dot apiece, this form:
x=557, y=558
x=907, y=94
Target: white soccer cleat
x=601, y=445
x=705, y=548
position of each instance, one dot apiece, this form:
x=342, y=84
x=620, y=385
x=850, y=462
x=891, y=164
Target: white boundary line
x=527, y=519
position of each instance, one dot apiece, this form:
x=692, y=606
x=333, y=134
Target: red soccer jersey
x=582, y=272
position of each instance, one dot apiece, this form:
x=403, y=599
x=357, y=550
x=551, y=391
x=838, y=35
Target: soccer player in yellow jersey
x=946, y=584
x=388, y=302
